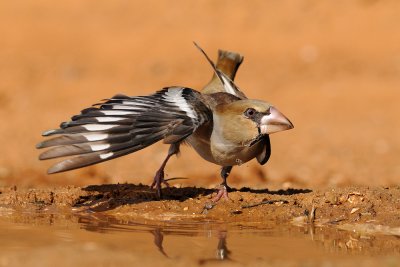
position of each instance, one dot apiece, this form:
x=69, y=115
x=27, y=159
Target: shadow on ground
x=110, y=196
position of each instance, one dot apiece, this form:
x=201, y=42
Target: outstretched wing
x=122, y=125
x=227, y=84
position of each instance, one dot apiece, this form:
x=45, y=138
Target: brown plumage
x=220, y=123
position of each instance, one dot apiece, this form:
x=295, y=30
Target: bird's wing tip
x=49, y=132
x=39, y=145
x=54, y=169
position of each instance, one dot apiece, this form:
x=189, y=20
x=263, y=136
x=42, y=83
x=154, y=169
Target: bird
x=219, y=122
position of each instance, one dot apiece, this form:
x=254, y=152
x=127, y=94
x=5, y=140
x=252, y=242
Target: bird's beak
x=274, y=122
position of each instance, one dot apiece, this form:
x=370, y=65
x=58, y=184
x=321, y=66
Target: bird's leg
x=225, y=171
x=159, y=177
x=223, y=188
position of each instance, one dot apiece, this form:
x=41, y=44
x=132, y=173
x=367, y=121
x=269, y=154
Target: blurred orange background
x=333, y=67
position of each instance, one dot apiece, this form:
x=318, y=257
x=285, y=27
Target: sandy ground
x=372, y=209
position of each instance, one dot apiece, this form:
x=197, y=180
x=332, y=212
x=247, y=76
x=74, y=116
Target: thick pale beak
x=274, y=122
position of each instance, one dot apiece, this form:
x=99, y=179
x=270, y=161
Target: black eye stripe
x=254, y=115
x=257, y=119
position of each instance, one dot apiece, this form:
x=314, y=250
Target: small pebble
x=208, y=205
x=354, y=210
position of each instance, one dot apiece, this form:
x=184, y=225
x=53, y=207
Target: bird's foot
x=222, y=193
x=157, y=181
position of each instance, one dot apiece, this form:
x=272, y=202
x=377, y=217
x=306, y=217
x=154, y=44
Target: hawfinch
x=220, y=123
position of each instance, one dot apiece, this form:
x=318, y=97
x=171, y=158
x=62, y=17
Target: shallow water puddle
x=86, y=239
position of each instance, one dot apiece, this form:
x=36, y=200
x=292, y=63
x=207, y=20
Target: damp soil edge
x=350, y=205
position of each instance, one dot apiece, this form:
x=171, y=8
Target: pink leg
x=222, y=192
x=159, y=177
x=223, y=188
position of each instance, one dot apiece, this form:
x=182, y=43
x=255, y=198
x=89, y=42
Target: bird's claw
x=222, y=193
x=157, y=181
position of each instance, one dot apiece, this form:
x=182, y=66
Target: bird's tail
x=224, y=73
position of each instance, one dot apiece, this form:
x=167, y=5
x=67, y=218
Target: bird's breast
x=218, y=150
x=228, y=153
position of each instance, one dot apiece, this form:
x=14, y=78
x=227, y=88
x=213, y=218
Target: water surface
x=91, y=239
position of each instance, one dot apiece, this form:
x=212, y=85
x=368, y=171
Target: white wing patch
x=98, y=147
x=98, y=127
x=116, y=112
x=95, y=137
x=106, y=155
x=109, y=119
x=175, y=96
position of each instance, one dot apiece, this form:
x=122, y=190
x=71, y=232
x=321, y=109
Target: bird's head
x=250, y=119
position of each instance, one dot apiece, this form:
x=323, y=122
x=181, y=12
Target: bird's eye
x=250, y=112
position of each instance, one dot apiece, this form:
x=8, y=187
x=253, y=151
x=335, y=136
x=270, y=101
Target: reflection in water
x=104, y=224
x=100, y=238
x=158, y=240
x=222, y=250
x=330, y=239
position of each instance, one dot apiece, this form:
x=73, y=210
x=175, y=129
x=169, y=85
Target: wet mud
x=124, y=224
x=352, y=205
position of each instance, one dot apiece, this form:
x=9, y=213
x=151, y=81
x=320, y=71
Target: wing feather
x=123, y=125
